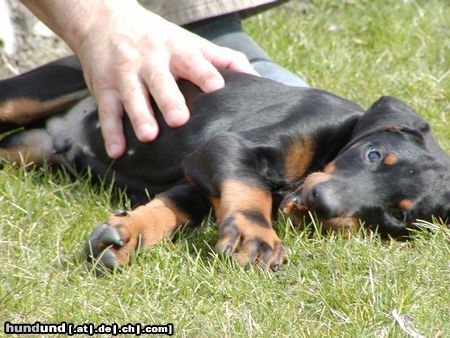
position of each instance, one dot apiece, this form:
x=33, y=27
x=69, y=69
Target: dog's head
x=391, y=174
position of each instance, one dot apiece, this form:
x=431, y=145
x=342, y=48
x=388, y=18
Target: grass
x=329, y=286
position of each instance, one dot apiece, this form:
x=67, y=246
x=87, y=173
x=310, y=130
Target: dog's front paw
x=111, y=244
x=250, y=244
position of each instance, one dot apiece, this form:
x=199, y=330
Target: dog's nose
x=316, y=199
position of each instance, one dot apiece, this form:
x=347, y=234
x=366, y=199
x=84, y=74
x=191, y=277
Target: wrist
x=75, y=20
x=97, y=18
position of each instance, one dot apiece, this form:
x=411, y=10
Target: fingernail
x=214, y=84
x=146, y=132
x=177, y=117
x=114, y=150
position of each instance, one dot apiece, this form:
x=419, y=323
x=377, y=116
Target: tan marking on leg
x=153, y=221
x=390, y=159
x=297, y=158
x=238, y=211
x=250, y=234
x=148, y=224
x=22, y=111
x=235, y=196
x=215, y=202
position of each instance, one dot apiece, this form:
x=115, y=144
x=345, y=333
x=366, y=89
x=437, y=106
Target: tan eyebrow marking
x=390, y=159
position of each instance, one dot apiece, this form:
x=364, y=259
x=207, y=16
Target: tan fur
x=405, y=204
x=390, y=159
x=148, y=224
x=24, y=110
x=298, y=158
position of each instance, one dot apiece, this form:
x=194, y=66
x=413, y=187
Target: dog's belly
x=78, y=145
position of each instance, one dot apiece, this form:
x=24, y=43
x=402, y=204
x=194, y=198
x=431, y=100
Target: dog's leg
x=28, y=146
x=245, y=227
x=226, y=170
x=60, y=139
x=112, y=243
x=40, y=92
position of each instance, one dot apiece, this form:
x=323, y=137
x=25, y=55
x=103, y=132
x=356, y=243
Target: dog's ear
x=390, y=114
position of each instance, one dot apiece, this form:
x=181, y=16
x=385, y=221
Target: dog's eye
x=373, y=155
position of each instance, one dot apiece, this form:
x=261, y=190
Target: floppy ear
x=390, y=114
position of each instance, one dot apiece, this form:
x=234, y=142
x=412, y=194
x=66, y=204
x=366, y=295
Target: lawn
x=329, y=286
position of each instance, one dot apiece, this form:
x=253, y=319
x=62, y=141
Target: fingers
x=110, y=114
x=125, y=64
x=164, y=89
x=192, y=66
x=158, y=79
x=200, y=71
x=135, y=99
x=202, y=68
x=227, y=58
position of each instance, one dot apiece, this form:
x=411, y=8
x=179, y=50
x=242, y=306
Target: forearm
x=73, y=19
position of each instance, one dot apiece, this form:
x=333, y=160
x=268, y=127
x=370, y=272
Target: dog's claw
x=276, y=267
x=120, y=212
x=101, y=247
x=91, y=247
x=110, y=236
x=226, y=250
x=109, y=260
x=96, y=232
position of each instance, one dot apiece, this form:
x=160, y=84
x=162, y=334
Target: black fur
x=244, y=132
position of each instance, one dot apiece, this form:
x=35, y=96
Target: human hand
x=130, y=53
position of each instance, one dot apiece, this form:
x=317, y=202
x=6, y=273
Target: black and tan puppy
x=248, y=149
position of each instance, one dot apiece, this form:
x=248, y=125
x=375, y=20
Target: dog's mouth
x=293, y=202
x=299, y=206
x=313, y=195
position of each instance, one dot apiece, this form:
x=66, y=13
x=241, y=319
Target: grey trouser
x=227, y=31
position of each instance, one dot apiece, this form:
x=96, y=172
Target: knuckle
x=130, y=93
x=124, y=50
x=168, y=104
x=156, y=79
x=109, y=111
x=100, y=83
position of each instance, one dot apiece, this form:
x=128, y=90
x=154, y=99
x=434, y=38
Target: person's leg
x=227, y=31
